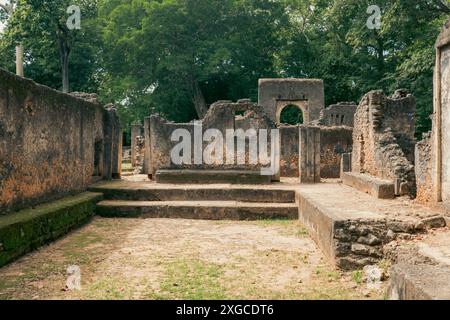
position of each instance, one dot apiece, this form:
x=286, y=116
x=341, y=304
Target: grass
x=358, y=276
x=193, y=280
x=249, y=270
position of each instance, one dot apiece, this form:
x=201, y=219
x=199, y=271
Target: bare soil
x=183, y=259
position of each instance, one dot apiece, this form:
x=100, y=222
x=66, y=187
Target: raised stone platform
x=422, y=271
x=211, y=176
x=148, y=191
x=211, y=202
x=206, y=210
x=28, y=229
x=378, y=188
x=352, y=227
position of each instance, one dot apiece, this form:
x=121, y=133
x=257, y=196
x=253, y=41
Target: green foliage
x=291, y=115
x=40, y=25
x=170, y=56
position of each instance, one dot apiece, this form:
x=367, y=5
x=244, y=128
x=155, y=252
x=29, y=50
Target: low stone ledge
x=26, y=230
x=419, y=282
x=211, y=176
x=378, y=188
x=351, y=229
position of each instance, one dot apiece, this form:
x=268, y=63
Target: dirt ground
x=183, y=259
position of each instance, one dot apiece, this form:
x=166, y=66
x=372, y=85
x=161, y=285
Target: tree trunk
x=19, y=60
x=198, y=99
x=64, y=51
x=9, y=9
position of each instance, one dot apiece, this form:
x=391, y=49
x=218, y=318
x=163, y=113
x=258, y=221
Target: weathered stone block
x=381, y=189
x=309, y=158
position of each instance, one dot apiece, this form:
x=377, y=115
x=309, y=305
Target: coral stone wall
x=334, y=141
x=222, y=116
x=383, y=138
x=424, y=170
x=51, y=143
x=289, y=153
x=340, y=114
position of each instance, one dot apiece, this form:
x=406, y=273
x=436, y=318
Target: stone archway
x=302, y=105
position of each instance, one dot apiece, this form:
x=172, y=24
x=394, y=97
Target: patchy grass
x=182, y=259
x=358, y=276
x=192, y=280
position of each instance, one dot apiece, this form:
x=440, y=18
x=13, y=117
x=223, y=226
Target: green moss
x=28, y=229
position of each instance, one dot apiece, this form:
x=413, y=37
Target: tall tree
x=191, y=51
x=48, y=23
x=8, y=9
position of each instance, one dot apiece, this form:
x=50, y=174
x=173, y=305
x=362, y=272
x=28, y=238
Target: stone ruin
x=305, y=152
x=433, y=152
x=53, y=144
x=307, y=94
x=340, y=114
x=382, y=160
x=221, y=116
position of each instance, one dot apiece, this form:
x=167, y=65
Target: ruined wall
x=335, y=141
x=441, y=119
x=424, y=169
x=340, y=114
x=275, y=94
x=289, y=153
x=383, y=138
x=221, y=116
x=51, y=144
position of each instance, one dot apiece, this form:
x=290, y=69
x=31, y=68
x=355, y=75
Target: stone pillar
x=346, y=163
x=108, y=132
x=117, y=150
x=135, y=132
x=309, y=155
x=147, y=150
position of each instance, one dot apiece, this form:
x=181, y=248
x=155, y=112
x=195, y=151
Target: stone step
x=28, y=229
x=124, y=191
x=206, y=210
x=212, y=176
x=378, y=188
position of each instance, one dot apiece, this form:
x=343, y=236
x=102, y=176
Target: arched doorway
x=292, y=111
x=292, y=115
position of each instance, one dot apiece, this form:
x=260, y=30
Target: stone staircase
x=209, y=202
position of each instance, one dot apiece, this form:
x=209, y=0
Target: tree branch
x=440, y=6
x=4, y=7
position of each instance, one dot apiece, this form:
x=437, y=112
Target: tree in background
x=175, y=57
x=188, y=53
x=335, y=44
x=43, y=26
x=7, y=11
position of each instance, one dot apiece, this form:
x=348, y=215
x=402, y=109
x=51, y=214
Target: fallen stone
x=364, y=250
x=434, y=222
x=390, y=236
x=370, y=240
